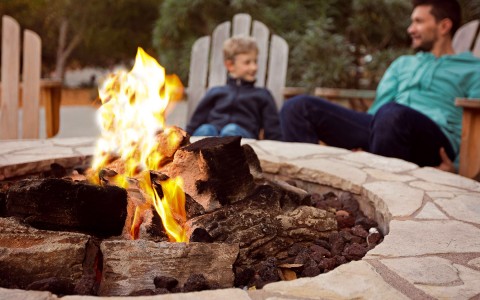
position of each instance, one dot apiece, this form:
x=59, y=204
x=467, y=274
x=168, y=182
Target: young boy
x=237, y=108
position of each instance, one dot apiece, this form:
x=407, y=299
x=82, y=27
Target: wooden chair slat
x=218, y=73
x=32, y=55
x=197, y=78
x=261, y=34
x=241, y=24
x=277, y=68
x=10, y=78
x=462, y=41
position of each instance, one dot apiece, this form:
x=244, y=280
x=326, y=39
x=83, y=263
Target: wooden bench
x=26, y=94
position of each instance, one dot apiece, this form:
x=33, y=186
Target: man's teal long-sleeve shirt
x=430, y=85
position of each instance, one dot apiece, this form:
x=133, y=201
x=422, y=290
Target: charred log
x=59, y=204
x=214, y=170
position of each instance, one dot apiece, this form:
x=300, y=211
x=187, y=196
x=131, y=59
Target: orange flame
x=132, y=112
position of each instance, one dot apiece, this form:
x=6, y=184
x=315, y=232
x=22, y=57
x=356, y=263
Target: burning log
x=214, y=170
x=31, y=257
x=148, y=260
x=59, y=204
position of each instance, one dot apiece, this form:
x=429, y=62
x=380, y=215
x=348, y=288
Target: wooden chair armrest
x=344, y=93
x=468, y=102
x=290, y=91
x=358, y=100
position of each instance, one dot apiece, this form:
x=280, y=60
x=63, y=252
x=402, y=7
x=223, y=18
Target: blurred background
x=333, y=43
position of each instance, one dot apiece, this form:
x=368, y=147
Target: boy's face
x=244, y=66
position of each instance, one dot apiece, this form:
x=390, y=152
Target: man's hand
x=447, y=164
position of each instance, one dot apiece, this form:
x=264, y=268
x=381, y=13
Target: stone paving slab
x=431, y=218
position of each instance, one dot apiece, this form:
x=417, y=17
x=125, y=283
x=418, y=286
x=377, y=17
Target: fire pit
x=263, y=211
x=431, y=249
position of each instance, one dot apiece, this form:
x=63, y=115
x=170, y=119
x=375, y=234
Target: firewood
x=60, y=204
x=262, y=227
x=148, y=260
x=30, y=255
x=214, y=170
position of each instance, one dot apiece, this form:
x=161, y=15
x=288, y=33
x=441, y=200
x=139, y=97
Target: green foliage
x=110, y=30
x=336, y=43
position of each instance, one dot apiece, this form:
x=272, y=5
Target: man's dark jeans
x=394, y=131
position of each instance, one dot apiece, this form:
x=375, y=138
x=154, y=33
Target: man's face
x=424, y=28
x=244, y=66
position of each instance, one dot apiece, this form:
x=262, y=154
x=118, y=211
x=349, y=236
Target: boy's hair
x=238, y=45
x=444, y=9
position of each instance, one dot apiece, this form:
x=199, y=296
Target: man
x=413, y=116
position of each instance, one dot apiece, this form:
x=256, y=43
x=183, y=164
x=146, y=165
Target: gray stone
x=74, y=142
x=446, y=178
x=326, y=172
x=464, y=207
x=430, y=211
x=13, y=294
x=297, y=150
x=355, y=280
x=434, y=187
x=467, y=287
x=424, y=270
x=435, y=195
x=414, y=238
x=380, y=162
x=400, y=199
x=387, y=176
x=475, y=262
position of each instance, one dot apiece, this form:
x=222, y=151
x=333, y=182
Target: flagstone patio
x=431, y=220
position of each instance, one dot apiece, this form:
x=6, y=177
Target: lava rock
x=354, y=251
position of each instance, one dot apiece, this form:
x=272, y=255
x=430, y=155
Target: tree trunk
x=64, y=50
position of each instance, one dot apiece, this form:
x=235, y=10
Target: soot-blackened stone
x=268, y=271
x=165, y=282
x=201, y=235
x=195, y=283
x=59, y=286
x=144, y=292
x=243, y=277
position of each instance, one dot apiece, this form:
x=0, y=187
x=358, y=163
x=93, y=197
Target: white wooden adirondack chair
x=206, y=61
x=32, y=88
x=32, y=46
x=467, y=38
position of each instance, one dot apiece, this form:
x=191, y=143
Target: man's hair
x=444, y=9
x=238, y=45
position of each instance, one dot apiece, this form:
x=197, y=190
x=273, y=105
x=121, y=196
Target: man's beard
x=425, y=46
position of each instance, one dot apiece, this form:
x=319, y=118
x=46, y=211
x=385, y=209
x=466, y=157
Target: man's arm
x=387, y=87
